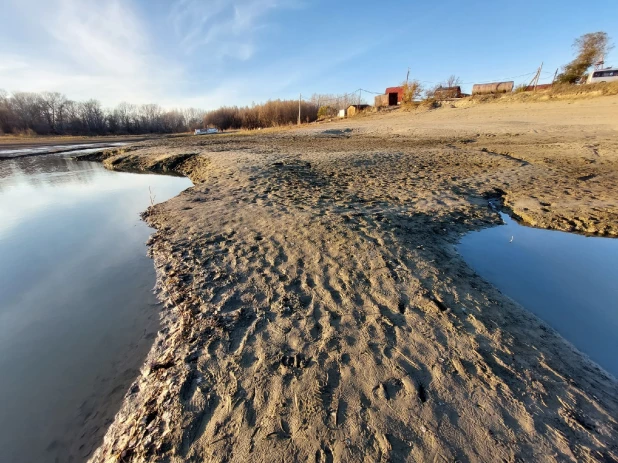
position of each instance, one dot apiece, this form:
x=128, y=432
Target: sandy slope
x=317, y=310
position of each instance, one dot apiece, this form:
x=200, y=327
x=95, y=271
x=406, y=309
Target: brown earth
x=318, y=311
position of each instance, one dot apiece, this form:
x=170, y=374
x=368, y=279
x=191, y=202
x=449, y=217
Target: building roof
x=394, y=90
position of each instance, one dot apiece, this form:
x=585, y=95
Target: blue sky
x=205, y=53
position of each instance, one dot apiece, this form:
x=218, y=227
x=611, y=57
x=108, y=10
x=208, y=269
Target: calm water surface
x=30, y=150
x=568, y=280
x=77, y=313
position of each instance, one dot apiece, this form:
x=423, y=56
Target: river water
x=568, y=280
x=77, y=312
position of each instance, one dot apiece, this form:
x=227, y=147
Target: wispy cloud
x=108, y=50
x=88, y=48
x=227, y=29
x=102, y=36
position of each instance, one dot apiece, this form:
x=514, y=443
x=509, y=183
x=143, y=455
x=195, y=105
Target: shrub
x=412, y=91
x=324, y=111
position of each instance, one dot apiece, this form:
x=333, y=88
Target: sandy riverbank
x=317, y=310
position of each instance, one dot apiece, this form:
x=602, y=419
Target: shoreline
x=429, y=357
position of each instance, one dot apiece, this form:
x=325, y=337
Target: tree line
x=52, y=113
x=273, y=113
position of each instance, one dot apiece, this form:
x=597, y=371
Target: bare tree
x=52, y=112
x=329, y=104
x=445, y=89
x=452, y=81
x=27, y=109
x=5, y=112
x=52, y=107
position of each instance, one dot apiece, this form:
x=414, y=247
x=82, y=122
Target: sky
x=208, y=53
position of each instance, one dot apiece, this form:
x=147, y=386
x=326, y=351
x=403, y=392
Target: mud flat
x=316, y=308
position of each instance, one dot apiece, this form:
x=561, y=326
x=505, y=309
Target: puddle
x=568, y=280
x=77, y=312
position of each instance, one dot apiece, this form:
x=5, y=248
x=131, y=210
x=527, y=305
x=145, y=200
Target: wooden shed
x=392, y=97
x=356, y=108
x=395, y=95
x=494, y=87
x=381, y=101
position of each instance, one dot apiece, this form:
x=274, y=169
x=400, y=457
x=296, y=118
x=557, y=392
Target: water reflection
x=567, y=280
x=77, y=314
x=31, y=172
x=33, y=150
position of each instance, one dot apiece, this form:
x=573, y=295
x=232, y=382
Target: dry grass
x=556, y=92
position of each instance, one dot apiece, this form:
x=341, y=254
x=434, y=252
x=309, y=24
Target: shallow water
x=77, y=312
x=65, y=149
x=568, y=280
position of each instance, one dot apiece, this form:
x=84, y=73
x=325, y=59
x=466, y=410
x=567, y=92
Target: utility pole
x=555, y=75
x=360, y=92
x=407, y=77
x=535, y=80
x=538, y=76
x=299, y=98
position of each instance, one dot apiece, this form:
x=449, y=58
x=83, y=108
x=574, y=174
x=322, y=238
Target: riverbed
x=77, y=311
x=318, y=309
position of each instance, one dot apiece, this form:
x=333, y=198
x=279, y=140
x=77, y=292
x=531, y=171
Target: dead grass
x=556, y=92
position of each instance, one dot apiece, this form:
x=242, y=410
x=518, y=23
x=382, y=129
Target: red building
x=392, y=97
x=395, y=95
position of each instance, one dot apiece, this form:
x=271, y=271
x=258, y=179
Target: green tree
x=590, y=49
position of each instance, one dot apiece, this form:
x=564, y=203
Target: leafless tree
x=52, y=112
x=452, y=81
x=445, y=89
x=52, y=107
x=329, y=104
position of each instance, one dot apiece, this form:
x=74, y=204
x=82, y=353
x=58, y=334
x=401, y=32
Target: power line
x=483, y=82
x=369, y=91
x=360, y=90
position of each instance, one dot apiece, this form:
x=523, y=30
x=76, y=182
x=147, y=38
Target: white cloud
x=226, y=29
x=101, y=36
x=88, y=49
x=106, y=50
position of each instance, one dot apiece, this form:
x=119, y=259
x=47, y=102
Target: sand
x=316, y=309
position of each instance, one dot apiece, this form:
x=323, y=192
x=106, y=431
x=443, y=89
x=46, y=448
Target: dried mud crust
x=317, y=311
